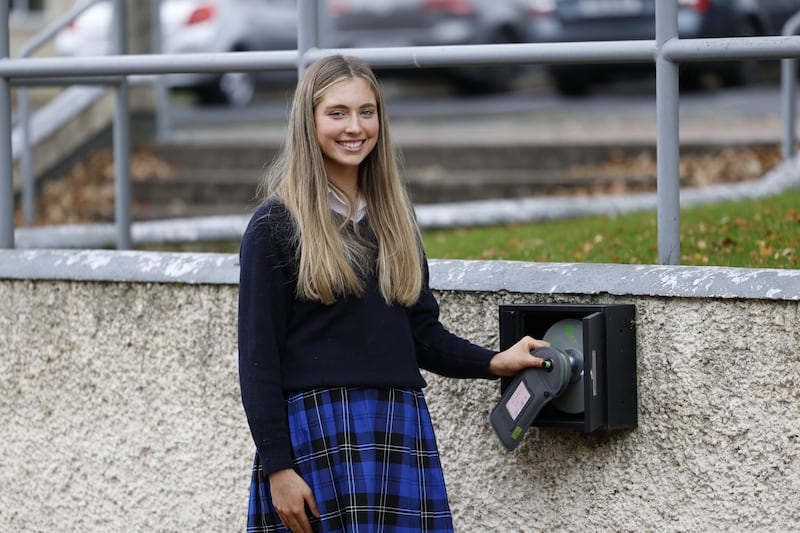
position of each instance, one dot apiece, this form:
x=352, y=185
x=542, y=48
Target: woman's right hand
x=290, y=495
x=517, y=358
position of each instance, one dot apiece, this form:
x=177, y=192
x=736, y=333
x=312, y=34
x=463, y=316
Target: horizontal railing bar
x=423, y=56
x=732, y=49
x=136, y=79
x=45, y=82
x=676, y=50
x=99, y=66
x=501, y=54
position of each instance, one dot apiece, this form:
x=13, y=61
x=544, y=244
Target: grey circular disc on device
x=567, y=334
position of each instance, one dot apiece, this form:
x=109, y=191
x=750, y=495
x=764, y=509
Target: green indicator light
x=517, y=432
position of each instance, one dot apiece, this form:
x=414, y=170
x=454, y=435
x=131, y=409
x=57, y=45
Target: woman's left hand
x=517, y=358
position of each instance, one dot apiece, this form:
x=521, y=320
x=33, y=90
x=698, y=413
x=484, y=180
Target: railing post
x=789, y=91
x=24, y=112
x=307, y=31
x=789, y=108
x=26, y=157
x=122, y=142
x=6, y=163
x=668, y=138
x=163, y=111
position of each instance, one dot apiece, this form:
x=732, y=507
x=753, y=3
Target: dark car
x=379, y=23
x=612, y=20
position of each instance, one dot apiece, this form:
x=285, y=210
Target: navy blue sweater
x=288, y=345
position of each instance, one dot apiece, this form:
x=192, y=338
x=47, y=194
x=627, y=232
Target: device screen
x=518, y=400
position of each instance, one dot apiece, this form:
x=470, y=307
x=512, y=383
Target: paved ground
x=619, y=114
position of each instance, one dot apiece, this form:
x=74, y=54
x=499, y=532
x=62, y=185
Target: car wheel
x=741, y=73
x=571, y=84
x=489, y=80
x=236, y=89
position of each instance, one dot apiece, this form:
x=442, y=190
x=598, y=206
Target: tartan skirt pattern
x=370, y=458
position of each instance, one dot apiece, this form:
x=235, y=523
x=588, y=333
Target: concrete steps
x=222, y=178
x=218, y=178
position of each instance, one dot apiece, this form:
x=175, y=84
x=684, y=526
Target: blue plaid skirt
x=370, y=458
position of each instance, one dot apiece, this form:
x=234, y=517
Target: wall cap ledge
x=617, y=279
x=455, y=275
x=119, y=266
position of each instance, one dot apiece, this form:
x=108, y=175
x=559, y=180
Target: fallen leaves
x=86, y=193
x=637, y=172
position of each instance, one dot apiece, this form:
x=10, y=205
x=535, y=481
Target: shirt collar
x=340, y=206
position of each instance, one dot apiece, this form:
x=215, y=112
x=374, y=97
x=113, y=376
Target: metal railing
x=789, y=91
x=24, y=108
x=667, y=51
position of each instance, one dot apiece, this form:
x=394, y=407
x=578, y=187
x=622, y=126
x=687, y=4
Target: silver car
x=199, y=26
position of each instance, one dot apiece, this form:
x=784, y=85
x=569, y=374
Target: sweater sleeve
x=265, y=295
x=440, y=351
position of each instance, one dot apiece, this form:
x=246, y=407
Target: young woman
x=336, y=319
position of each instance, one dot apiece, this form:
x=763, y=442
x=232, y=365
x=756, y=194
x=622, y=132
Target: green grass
x=762, y=233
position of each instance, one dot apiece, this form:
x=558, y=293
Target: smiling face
x=347, y=124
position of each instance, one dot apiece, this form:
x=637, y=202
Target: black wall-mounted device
x=603, y=395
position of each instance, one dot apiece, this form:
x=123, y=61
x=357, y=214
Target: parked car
x=197, y=26
x=373, y=23
x=606, y=20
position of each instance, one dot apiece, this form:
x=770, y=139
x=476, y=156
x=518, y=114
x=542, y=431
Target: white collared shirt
x=340, y=206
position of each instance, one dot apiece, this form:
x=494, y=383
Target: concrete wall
x=120, y=407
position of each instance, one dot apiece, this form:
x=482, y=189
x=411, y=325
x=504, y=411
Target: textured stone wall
x=120, y=407
x=717, y=447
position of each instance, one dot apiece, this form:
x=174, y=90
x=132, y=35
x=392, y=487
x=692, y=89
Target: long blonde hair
x=332, y=260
